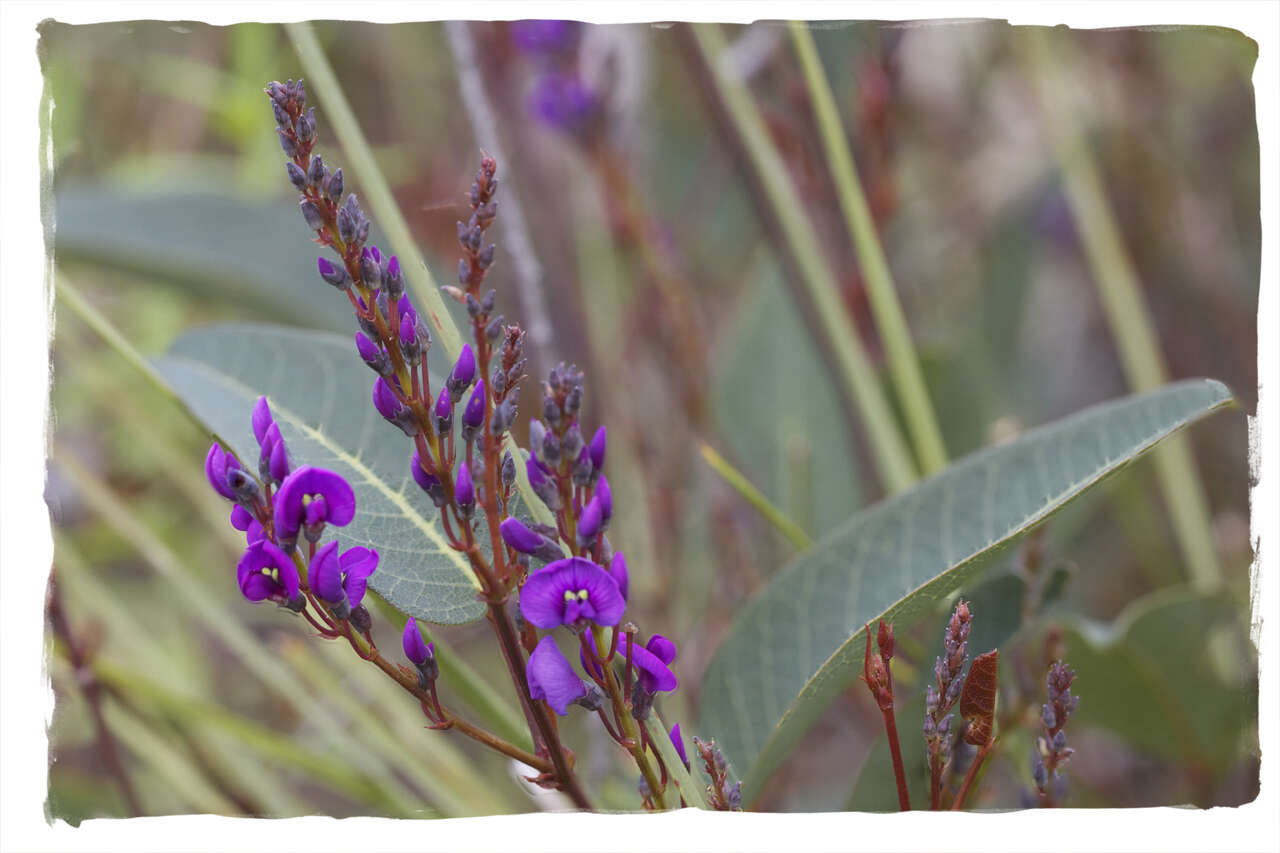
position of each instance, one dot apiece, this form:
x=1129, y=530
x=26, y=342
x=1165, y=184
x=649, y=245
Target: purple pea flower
x=543, y=36
x=597, y=447
x=393, y=280
x=372, y=354
x=312, y=497
x=572, y=592
x=651, y=660
x=241, y=518
x=551, y=677
x=341, y=580
x=274, y=462
x=618, y=571
x=334, y=275
x=386, y=401
x=542, y=485
x=464, y=370
x=217, y=464
x=563, y=102
x=262, y=420
x=421, y=654
x=266, y=572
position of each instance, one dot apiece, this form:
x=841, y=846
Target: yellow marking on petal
x=568, y=595
x=582, y=595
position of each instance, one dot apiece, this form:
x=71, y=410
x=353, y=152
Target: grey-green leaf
x=797, y=645
x=319, y=391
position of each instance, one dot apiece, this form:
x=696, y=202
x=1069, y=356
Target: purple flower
x=463, y=372
x=241, y=518
x=677, y=740
x=551, y=677
x=572, y=591
x=392, y=280
x=274, y=462
x=262, y=420
x=266, y=572
x=563, y=102
x=341, y=580
x=216, y=467
x=543, y=36
x=415, y=648
x=618, y=571
x=372, y=354
x=542, y=485
x=597, y=448
x=651, y=661
x=314, y=497
x=334, y=275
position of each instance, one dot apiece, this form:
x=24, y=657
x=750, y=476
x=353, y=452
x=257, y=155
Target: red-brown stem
x=935, y=782
x=971, y=775
x=895, y=751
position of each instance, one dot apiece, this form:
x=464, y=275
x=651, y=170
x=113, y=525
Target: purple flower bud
x=520, y=537
x=508, y=469
x=311, y=214
x=605, y=496
x=315, y=172
x=370, y=267
x=372, y=354
x=409, y=337
x=217, y=464
x=444, y=412
x=392, y=279
x=261, y=419
x=597, y=448
x=325, y=574
x=464, y=491
x=287, y=143
x=678, y=742
x=333, y=275
x=333, y=188
x=429, y=483
x=542, y=485
x=297, y=177
x=473, y=415
x=463, y=372
x=385, y=400
x=415, y=648
x=346, y=223
x=278, y=465
x=589, y=523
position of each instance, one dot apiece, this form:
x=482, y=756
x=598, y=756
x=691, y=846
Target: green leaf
x=319, y=391
x=788, y=437
x=1149, y=678
x=251, y=255
x=795, y=647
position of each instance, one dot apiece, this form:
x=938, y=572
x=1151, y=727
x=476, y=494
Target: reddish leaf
x=978, y=698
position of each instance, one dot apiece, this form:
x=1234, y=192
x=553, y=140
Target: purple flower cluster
x=273, y=508
x=559, y=97
x=942, y=696
x=1050, y=750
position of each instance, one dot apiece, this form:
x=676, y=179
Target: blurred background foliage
x=662, y=276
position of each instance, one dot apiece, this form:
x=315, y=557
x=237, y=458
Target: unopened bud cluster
x=1050, y=750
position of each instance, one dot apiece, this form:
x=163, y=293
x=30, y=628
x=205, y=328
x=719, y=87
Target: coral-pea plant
x=567, y=578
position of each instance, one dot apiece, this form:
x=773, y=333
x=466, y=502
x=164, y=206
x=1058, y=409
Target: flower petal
x=654, y=673
x=551, y=677
x=215, y=469
x=262, y=419
x=340, y=500
x=415, y=649
x=325, y=574
x=677, y=740
x=618, y=571
x=543, y=598
x=357, y=565
x=662, y=647
x=240, y=517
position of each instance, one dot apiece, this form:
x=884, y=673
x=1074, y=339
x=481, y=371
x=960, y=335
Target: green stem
x=740, y=484
x=904, y=366
x=889, y=450
x=1124, y=307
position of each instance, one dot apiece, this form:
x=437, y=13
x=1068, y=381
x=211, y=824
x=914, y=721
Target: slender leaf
x=795, y=646
x=252, y=255
x=319, y=392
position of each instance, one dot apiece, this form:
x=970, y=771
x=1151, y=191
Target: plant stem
x=1120, y=293
x=895, y=751
x=629, y=728
x=971, y=775
x=904, y=366
x=740, y=484
x=889, y=450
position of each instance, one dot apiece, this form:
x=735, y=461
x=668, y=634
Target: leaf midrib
x=1109, y=467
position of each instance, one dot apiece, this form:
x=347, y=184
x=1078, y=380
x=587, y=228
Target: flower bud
x=429, y=483
x=373, y=355
x=370, y=268
x=571, y=444
x=297, y=177
x=315, y=173
x=473, y=415
x=605, y=497
x=589, y=523
x=444, y=412
x=311, y=214
x=493, y=331
x=542, y=485
x=463, y=372
x=508, y=469
x=287, y=143
x=597, y=448
x=333, y=186
x=334, y=275
x=392, y=280
x=464, y=492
